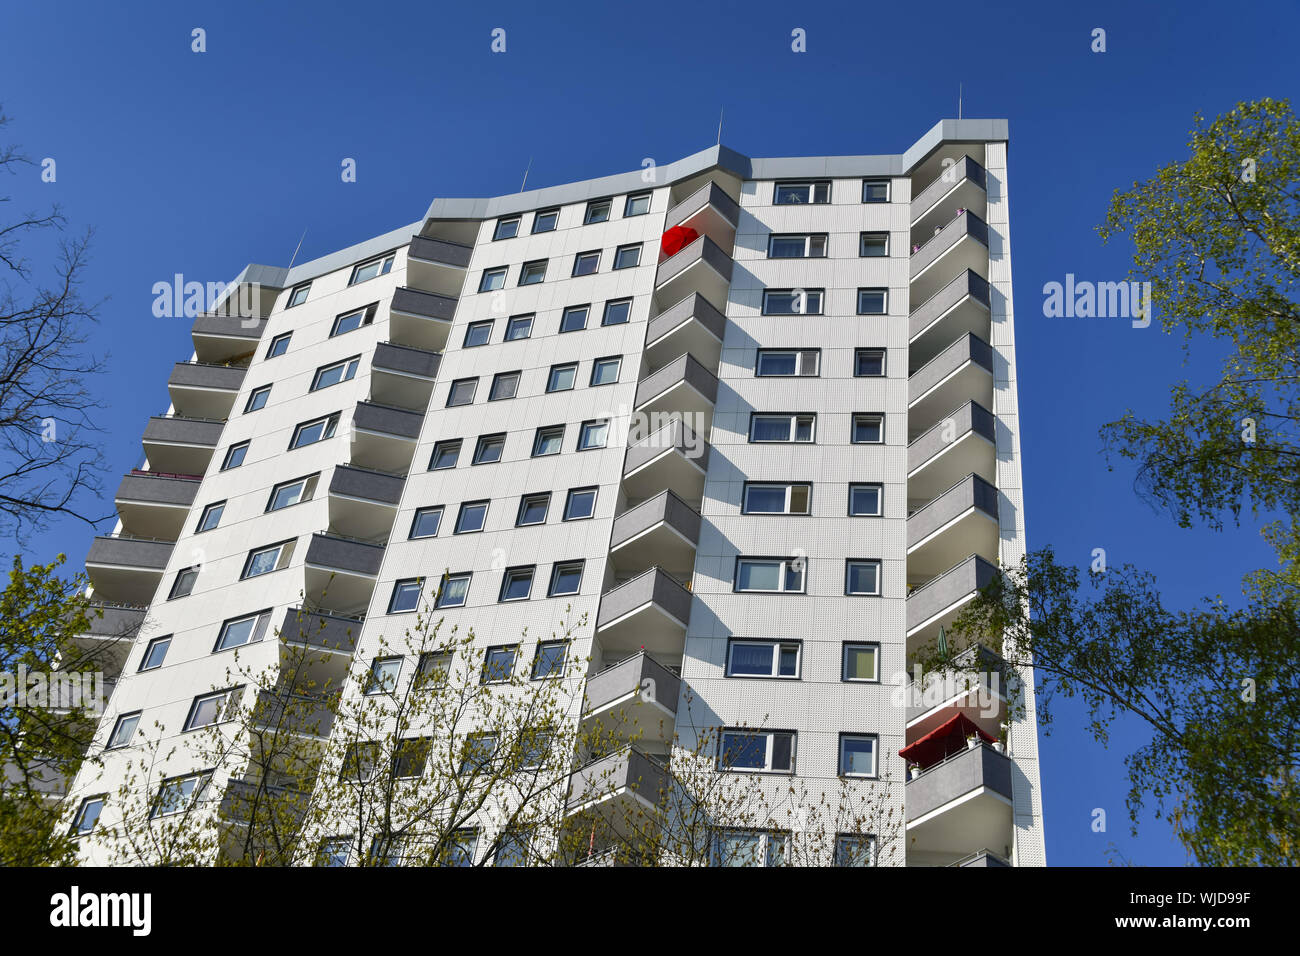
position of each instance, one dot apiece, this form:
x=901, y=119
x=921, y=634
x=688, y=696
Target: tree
x=50, y=460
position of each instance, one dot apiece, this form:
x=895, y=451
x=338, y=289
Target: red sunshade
x=676, y=239
x=946, y=739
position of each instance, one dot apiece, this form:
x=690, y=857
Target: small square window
x=369, y=270
x=605, y=371
x=155, y=653
x=87, y=815
x=593, y=435
x=406, y=595
x=545, y=220
x=586, y=263
x=533, y=272
x=516, y=584
x=235, y=455
x=627, y=257
x=183, y=586
x=637, y=205
x=257, y=399
x=384, y=672
x=178, y=794
x=426, y=522
x=597, y=211
x=869, y=362
x=872, y=301
x=875, y=190
x=581, y=503
x=548, y=441
x=433, y=666
x=334, y=852
x=549, y=661
x=857, y=755
x=299, y=295
x=454, y=591
x=533, y=508
x=868, y=429
x=861, y=663
x=865, y=500
x=354, y=319
x=478, y=752
x=492, y=279
x=211, y=517
x=279, y=345
x=566, y=578
x=504, y=385
x=445, y=455
x=574, y=318
x=853, y=849
x=477, y=333
x=617, y=312
x=499, y=663
x=519, y=327
x=862, y=578
x=209, y=709
x=506, y=228
x=873, y=245
x=489, y=449
x=123, y=731
x=562, y=377
x=472, y=516
x=462, y=392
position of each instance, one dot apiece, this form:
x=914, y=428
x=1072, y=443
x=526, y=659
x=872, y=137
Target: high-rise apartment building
x=756, y=419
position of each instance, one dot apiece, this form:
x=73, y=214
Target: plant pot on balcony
x=1000, y=747
x=972, y=742
x=915, y=770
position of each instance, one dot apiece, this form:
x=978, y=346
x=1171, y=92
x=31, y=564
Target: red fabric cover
x=946, y=739
x=676, y=239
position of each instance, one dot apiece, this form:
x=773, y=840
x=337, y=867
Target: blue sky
x=201, y=163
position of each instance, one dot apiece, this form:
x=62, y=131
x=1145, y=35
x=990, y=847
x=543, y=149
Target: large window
x=328, y=375
x=746, y=658
x=770, y=575
x=757, y=750
x=782, y=426
x=800, y=245
x=792, y=301
x=862, y=577
x=320, y=429
x=857, y=755
x=860, y=663
x=793, y=193
x=787, y=362
x=776, y=498
x=239, y=631
x=749, y=848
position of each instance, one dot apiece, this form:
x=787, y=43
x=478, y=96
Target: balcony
x=975, y=687
x=959, y=807
x=963, y=520
x=420, y=320
x=963, y=372
x=182, y=446
x=692, y=326
x=274, y=808
x=934, y=604
x=710, y=212
x=340, y=572
x=673, y=458
x=682, y=389
x=320, y=631
x=623, y=787
x=635, y=699
x=661, y=532
x=649, y=613
x=963, y=443
x=701, y=268
x=297, y=715
x=963, y=185
x=384, y=436
x=960, y=307
x=982, y=858
x=107, y=639
x=220, y=338
x=363, y=502
x=201, y=390
x=436, y=265
x=960, y=245
x=402, y=376
x=155, y=505
x=125, y=569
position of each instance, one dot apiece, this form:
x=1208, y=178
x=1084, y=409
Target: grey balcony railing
x=387, y=420
x=200, y=375
x=233, y=326
x=427, y=305
x=678, y=437
x=958, y=775
x=243, y=799
x=964, y=579
x=293, y=713
x=440, y=251
x=157, y=489
x=710, y=194
x=353, y=482
x=335, y=552
x=664, y=507
x=694, y=306
x=320, y=630
x=639, y=674
x=183, y=431
x=148, y=554
x=683, y=369
x=649, y=587
x=971, y=492
x=114, y=620
x=703, y=250
x=964, y=168
x=407, y=360
x=971, y=417
x=626, y=770
x=967, y=224
x=966, y=284
x=968, y=348
x=981, y=858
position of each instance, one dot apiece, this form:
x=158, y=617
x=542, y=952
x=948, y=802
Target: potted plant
x=1000, y=745
x=972, y=741
x=914, y=769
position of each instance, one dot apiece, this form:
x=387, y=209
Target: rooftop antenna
x=526, y=171
x=294, y=257
x=959, y=101
x=721, y=110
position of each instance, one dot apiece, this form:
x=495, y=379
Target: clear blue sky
x=201, y=163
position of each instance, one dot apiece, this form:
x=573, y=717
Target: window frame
x=875, y=756
x=293, y=301
x=528, y=270
x=522, y=572
x=877, y=181
x=562, y=366
x=175, y=592
x=514, y=321
x=261, y=622
x=78, y=820
x=540, y=215
x=851, y=563
x=594, y=204
x=812, y=185
x=349, y=368
x=568, y=502
x=367, y=313
x=222, y=714
x=864, y=351
x=220, y=509
x=402, y=587
x=455, y=384
x=329, y=427
x=778, y=645
x=785, y=568
x=558, y=431
x=377, y=676
x=873, y=290
x=560, y=567
x=616, y=303
x=555, y=670
x=862, y=418
x=809, y=238
x=789, y=487
x=494, y=440
x=437, y=510
x=488, y=667
x=488, y=279
x=283, y=555
x=308, y=492
x=516, y=221
x=230, y=453
x=621, y=251
x=880, y=499
x=485, y=503
x=283, y=337
x=385, y=262
x=471, y=327
x=440, y=448
x=799, y=354
x=262, y=392
x=769, y=750
x=633, y=197
x=570, y=309
x=585, y=428
x=131, y=720
x=440, y=599
x=794, y=418
x=166, y=642
x=804, y=297
x=866, y=235
x=845, y=647
x=616, y=360
x=580, y=258
x=540, y=497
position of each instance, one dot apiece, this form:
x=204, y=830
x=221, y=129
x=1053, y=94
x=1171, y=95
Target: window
x=183, y=586
x=869, y=362
x=360, y=761
x=566, y=578
x=865, y=500
x=369, y=270
x=492, y=279
x=872, y=301
x=265, y=560
x=328, y=375
x=597, y=211
x=477, y=333
x=235, y=455
x=792, y=302
x=239, y=631
x=155, y=653
x=801, y=245
x=512, y=848
x=586, y=263
x=533, y=508
x=279, y=345
x=299, y=295
x=334, y=852
x=873, y=245
x=617, y=312
x=562, y=377
x=860, y=662
x=763, y=659
x=519, y=327
x=178, y=794
x=433, y=666
x=868, y=428
x=787, y=362
x=857, y=755
x=637, y=205
x=770, y=575
x=478, y=752
x=853, y=849
x=776, y=498
x=593, y=435
x=123, y=731
x=862, y=577
x=749, y=848
x=210, y=517
x=795, y=193
x=445, y=454
x=499, y=663
x=411, y=755
x=489, y=449
x=761, y=750
x=308, y=433
x=506, y=228
x=532, y=272
x=875, y=190
x=581, y=503
x=426, y=521
x=384, y=672
x=545, y=220
x=471, y=517
x=257, y=399
x=604, y=371
x=455, y=590
x=548, y=441
x=292, y=492
x=209, y=709
x=87, y=815
x=517, y=584
x=785, y=426
x=462, y=392
x=549, y=660
x=406, y=595
x=627, y=257
x=354, y=320
x=574, y=318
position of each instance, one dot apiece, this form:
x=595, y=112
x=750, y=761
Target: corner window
x=862, y=578
x=776, y=498
x=794, y=193
x=770, y=575
x=763, y=659
x=597, y=211
x=792, y=302
x=369, y=270
x=866, y=500
x=872, y=301
x=756, y=750
x=506, y=228
x=787, y=362
x=586, y=263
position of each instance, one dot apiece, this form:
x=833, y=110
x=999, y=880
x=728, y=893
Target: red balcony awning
x=676, y=239
x=944, y=741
